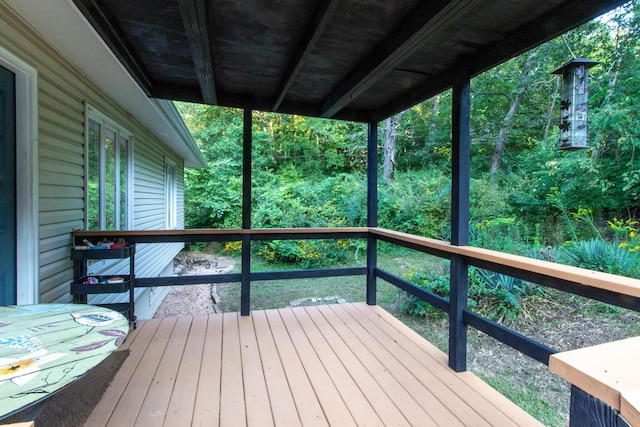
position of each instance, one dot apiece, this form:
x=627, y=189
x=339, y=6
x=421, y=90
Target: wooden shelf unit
x=80, y=290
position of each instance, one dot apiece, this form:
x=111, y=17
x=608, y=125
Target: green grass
x=541, y=409
x=280, y=293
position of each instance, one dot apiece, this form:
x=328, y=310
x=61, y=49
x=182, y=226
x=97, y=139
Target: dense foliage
x=528, y=197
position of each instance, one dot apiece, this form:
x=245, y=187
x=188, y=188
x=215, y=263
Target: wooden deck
x=339, y=365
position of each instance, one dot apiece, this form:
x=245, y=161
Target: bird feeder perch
x=574, y=104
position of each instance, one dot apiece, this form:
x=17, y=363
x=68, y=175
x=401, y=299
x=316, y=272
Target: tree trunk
x=389, y=162
x=554, y=98
x=431, y=139
x=501, y=140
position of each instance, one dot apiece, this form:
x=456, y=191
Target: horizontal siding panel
x=149, y=191
x=57, y=295
x=58, y=217
x=60, y=191
x=67, y=94
x=145, y=181
x=64, y=166
x=50, y=274
x=60, y=228
x=59, y=250
x=154, y=257
x=143, y=221
x=57, y=242
x=150, y=206
x=67, y=139
x=152, y=209
x=56, y=204
x=61, y=178
x=71, y=152
x=59, y=118
x=145, y=166
x=149, y=215
x=155, y=195
x=59, y=265
x=150, y=225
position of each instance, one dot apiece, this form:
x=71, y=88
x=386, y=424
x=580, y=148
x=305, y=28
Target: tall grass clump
x=600, y=255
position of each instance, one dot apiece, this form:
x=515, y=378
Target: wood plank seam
x=453, y=394
x=377, y=397
x=309, y=410
x=128, y=408
x=394, y=389
x=426, y=399
x=329, y=397
x=278, y=387
x=472, y=393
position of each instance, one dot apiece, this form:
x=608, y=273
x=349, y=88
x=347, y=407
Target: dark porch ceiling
x=359, y=60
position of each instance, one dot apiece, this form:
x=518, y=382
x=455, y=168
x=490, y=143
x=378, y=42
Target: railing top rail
x=610, y=282
x=217, y=231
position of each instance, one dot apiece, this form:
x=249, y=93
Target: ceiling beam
x=528, y=36
x=196, y=23
x=324, y=13
x=119, y=46
x=423, y=22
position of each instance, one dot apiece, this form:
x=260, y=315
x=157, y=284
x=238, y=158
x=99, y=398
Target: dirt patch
x=194, y=299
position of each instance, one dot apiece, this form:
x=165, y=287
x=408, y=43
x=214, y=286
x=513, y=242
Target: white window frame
x=170, y=194
x=27, y=245
x=107, y=124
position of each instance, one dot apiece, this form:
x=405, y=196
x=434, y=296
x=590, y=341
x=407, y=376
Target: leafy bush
x=499, y=234
x=436, y=283
x=329, y=202
x=232, y=248
x=416, y=203
x=306, y=253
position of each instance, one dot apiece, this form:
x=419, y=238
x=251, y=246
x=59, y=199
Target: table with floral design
x=45, y=347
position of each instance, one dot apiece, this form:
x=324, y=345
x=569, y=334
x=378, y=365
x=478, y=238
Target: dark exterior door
x=8, y=285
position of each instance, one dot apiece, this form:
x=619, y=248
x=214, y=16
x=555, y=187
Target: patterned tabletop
x=45, y=347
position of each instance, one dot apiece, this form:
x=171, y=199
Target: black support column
x=247, y=143
x=461, y=159
x=372, y=210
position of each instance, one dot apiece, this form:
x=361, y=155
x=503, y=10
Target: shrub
x=500, y=234
x=600, y=255
x=417, y=203
x=232, y=248
x=496, y=295
x=436, y=283
x=307, y=253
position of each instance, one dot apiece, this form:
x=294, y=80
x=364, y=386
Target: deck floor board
x=340, y=365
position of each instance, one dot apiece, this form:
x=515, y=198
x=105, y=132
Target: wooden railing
x=608, y=288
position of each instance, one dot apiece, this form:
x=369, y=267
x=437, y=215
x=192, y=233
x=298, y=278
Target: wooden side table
x=606, y=383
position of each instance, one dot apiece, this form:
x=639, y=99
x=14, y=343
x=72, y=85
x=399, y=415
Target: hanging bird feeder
x=574, y=104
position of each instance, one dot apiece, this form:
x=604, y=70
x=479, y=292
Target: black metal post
x=247, y=143
x=461, y=159
x=79, y=270
x=372, y=210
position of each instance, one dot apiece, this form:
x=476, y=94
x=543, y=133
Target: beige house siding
x=63, y=92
